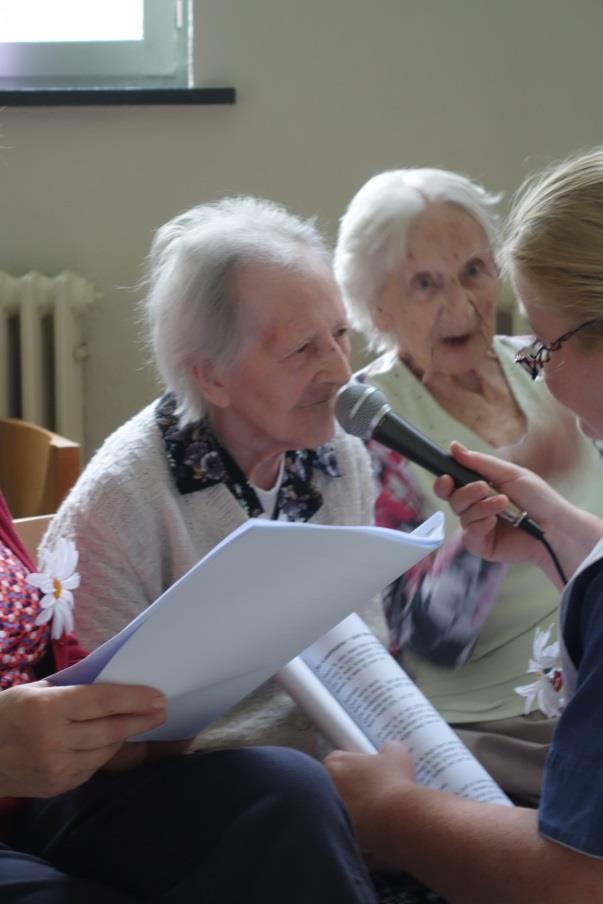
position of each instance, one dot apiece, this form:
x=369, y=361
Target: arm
x=437, y=608
x=571, y=532
x=461, y=848
x=122, y=560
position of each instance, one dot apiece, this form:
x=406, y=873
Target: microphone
x=364, y=411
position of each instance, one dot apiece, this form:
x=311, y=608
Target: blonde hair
x=374, y=230
x=554, y=235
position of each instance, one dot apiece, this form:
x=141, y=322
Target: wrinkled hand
x=53, y=739
x=367, y=783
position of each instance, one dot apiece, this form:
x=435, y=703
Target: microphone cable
x=553, y=556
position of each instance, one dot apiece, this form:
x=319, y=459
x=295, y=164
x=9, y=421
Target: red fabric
x=10, y=538
x=65, y=651
x=23, y=642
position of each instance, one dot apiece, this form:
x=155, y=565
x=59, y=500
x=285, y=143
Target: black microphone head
x=359, y=408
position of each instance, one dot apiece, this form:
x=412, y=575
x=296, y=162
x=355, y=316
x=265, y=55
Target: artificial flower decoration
x=56, y=580
x=548, y=687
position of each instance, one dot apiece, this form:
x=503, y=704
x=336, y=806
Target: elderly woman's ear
x=208, y=380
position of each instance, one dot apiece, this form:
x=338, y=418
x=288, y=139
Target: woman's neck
x=258, y=459
x=483, y=380
x=263, y=474
x=481, y=399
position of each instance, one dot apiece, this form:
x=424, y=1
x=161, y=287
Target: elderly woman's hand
x=53, y=739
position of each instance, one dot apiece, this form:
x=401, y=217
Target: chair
x=31, y=531
x=37, y=467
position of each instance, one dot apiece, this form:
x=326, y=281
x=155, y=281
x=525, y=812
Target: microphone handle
x=421, y=450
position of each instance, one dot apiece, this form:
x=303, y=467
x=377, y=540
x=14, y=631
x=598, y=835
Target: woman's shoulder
x=129, y=463
x=130, y=443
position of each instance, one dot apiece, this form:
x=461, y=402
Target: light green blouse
x=483, y=688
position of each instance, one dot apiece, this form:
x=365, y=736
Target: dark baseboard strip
x=86, y=97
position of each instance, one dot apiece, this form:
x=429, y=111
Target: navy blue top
x=571, y=807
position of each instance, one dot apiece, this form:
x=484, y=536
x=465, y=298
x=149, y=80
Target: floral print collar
x=198, y=461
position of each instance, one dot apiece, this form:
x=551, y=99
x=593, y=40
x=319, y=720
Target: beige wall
x=329, y=92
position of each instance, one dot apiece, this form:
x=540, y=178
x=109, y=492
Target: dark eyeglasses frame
x=533, y=357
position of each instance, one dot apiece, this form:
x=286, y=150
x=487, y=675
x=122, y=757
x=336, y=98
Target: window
x=79, y=43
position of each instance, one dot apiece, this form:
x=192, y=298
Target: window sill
x=86, y=97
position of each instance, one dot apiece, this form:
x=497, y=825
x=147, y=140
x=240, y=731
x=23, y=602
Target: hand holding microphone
x=365, y=412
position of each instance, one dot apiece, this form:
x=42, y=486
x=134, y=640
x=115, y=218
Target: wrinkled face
x=574, y=373
x=279, y=392
x=440, y=305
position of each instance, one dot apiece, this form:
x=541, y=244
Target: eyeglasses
x=533, y=357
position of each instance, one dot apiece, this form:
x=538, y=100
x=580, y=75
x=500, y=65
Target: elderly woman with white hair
x=416, y=264
x=250, y=338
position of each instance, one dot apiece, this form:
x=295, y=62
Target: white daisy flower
x=547, y=690
x=56, y=580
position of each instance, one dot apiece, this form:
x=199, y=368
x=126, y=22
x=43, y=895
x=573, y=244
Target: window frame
x=162, y=59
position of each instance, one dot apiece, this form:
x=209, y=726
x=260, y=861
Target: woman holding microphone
x=474, y=852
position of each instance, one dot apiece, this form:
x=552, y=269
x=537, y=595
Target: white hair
x=373, y=232
x=190, y=307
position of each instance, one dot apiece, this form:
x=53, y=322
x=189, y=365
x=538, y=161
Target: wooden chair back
x=31, y=531
x=37, y=467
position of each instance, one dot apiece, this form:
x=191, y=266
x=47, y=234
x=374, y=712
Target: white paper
x=327, y=714
x=248, y=607
x=386, y=705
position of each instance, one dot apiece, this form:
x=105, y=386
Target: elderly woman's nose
x=456, y=295
x=336, y=366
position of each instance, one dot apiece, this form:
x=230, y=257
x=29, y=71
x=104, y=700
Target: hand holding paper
x=255, y=601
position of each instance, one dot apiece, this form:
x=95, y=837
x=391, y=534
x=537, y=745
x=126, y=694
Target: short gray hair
x=190, y=306
x=374, y=229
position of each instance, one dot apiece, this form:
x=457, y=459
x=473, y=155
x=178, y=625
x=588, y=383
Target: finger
x=483, y=509
x=96, y=734
x=338, y=759
x=333, y=757
x=469, y=496
x=477, y=532
x=444, y=486
x=494, y=470
x=96, y=701
x=393, y=748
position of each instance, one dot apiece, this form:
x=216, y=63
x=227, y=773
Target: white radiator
x=42, y=350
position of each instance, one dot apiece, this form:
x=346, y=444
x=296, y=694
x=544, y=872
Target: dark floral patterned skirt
x=403, y=889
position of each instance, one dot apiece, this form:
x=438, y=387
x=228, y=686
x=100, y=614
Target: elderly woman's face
x=440, y=305
x=279, y=392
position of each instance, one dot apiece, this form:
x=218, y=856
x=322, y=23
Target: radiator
x=42, y=350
